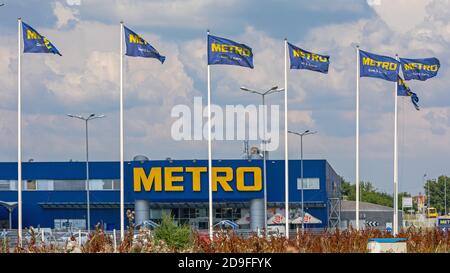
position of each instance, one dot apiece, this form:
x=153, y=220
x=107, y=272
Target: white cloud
x=8, y=72
x=64, y=14
x=402, y=15
x=173, y=13
x=73, y=2
x=334, y=6
x=301, y=119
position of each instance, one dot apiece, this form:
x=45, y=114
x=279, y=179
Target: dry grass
x=348, y=241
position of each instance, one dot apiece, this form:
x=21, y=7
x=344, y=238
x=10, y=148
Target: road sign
x=444, y=223
x=372, y=224
x=389, y=227
x=407, y=202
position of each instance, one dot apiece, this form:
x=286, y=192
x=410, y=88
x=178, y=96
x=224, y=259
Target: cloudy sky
x=86, y=79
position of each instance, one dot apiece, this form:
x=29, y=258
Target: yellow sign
x=414, y=66
x=225, y=48
x=298, y=53
x=385, y=65
x=172, y=179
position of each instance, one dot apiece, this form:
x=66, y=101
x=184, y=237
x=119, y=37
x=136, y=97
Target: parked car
x=432, y=213
x=203, y=236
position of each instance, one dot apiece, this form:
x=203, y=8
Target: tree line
x=435, y=188
x=370, y=194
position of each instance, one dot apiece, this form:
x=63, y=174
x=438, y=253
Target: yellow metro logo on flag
x=302, y=59
x=138, y=47
x=377, y=66
x=35, y=43
x=228, y=52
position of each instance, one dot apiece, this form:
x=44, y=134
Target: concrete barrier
x=387, y=245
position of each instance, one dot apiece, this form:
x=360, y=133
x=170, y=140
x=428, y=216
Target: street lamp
x=305, y=133
x=424, y=185
x=86, y=120
x=445, y=195
x=272, y=90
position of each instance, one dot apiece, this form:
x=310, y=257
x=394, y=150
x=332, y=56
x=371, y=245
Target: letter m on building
x=154, y=179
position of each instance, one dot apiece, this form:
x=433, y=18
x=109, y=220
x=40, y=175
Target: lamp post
x=445, y=195
x=272, y=90
x=424, y=185
x=305, y=133
x=86, y=120
x=429, y=193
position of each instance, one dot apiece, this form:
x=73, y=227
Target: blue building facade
x=54, y=194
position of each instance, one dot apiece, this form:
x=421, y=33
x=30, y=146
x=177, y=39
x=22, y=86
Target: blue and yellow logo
x=380, y=64
x=227, y=48
x=299, y=53
x=173, y=179
x=136, y=39
x=228, y=52
x=138, y=47
x=420, y=66
x=36, y=43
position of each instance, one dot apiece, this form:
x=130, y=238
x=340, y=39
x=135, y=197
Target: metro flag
x=302, y=59
x=377, y=66
x=228, y=52
x=404, y=91
x=420, y=69
x=138, y=47
x=33, y=42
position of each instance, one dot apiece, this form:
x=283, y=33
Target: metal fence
x=245, y=233
x=60, y=239
x=56, y=238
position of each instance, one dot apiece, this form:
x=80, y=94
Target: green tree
x=347, y=189
x=369, y=193
x=437, y=193
x=176, y=237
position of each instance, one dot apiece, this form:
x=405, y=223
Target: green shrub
x=176, y=237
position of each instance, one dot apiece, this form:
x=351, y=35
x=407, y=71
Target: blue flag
x=138, y=47
x=302, y=59
x=420, y=69
x=376, y=66
x=33, y=42
x=403, y=90
x=224, y=51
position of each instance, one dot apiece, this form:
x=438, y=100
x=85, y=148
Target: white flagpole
x=357, y=136
x=210, y=204
x=19, y=133
x=122, y=206
x=286, y=149
x=395, y=222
